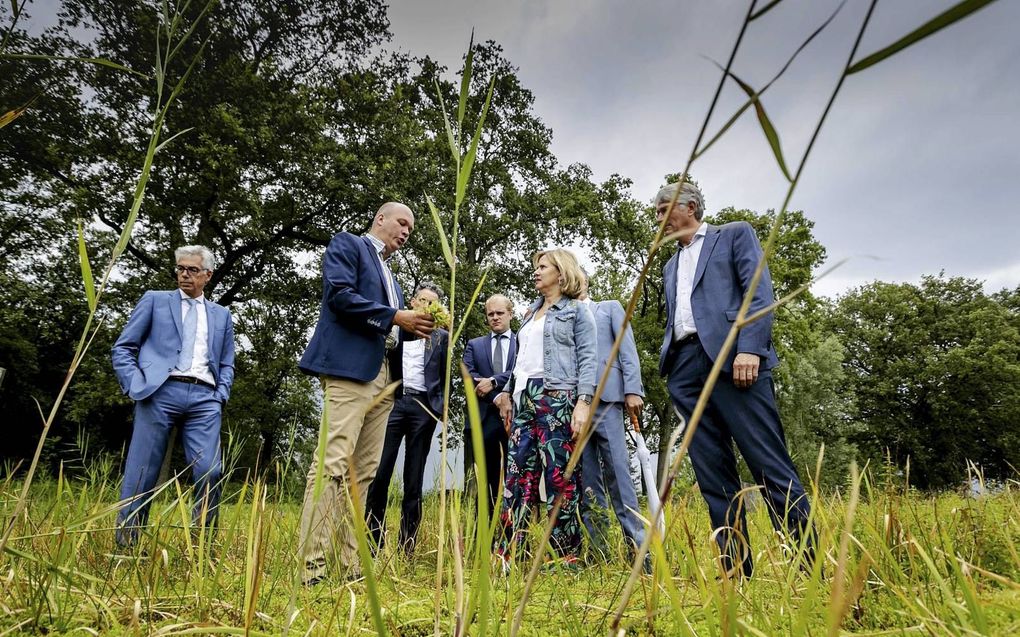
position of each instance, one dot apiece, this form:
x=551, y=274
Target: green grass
x=915, y=564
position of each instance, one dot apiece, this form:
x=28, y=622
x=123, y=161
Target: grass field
x=913, y=564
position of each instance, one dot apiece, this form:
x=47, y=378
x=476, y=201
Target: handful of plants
x=440, y=315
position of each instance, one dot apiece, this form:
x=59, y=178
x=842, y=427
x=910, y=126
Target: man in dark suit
x=605, y=455
x=490, y=360
x=356, y=351
x=175, y=358
x=705, y=283
x=413, y=420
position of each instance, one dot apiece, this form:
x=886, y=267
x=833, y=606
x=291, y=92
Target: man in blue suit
x=606, y=453
x=705, y=283
x=175, y=359
x=412, y=421
x=356, y=351
x=490, y=368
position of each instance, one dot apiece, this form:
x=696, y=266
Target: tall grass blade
x=954, y=14
x=760, y=12
x=766, y=124
x=451, y=140
x=15, y=113
x=86, y=269
x=469, y=159
x=65, y=58
x=465, y=81
x=443, y=241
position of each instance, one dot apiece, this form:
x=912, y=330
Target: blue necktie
x=190, y=329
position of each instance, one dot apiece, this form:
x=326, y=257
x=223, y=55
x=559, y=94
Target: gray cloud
x=916, y=165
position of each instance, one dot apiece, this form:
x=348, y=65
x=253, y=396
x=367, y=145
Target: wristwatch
x=584, y=398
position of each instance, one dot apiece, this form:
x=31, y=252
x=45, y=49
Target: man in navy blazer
x=478, y=358
x=605, y=455
x=413, y=422
x=175, y=359
x=705, y=283
x=356, y=351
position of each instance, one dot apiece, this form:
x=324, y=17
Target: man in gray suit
x=606, y=454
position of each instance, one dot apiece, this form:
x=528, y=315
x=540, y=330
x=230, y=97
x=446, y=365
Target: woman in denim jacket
x=550, y=391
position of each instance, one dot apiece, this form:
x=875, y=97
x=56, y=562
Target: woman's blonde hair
x=571, y=274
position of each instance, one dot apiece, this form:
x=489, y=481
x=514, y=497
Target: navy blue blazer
x=355, y=315
x=625, y=372
x=478, y=360
x=146, y=350
x=726, y=265
x=435, y=370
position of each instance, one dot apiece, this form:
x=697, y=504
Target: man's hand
x=483, y=386
x=633, y=405
x=421, y=325
x=578, y=418
x=745, y=369
x=506, y=409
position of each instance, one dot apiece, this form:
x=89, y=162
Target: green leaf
x=86, y=269
x=444, y=242
x=766, y=125
x=465, y=81
x=98, y=61
x=171, y=138
x=464, y=175
x=957, y=12
x=454, y=148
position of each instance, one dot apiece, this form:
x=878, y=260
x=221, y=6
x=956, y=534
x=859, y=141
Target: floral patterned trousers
x=540, y=443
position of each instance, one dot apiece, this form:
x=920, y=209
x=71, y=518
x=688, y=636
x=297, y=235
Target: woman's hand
x=506, y=409
x=578, y=418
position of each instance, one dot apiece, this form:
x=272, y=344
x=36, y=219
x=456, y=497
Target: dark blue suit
x=411, y=423
x=355, y=315
x=748, y=417
x=144, y=355
x=478, y=360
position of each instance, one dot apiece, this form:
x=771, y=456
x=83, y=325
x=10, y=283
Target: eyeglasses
x=190, y=269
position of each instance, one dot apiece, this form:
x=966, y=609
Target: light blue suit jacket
x=146, y=351
x=625, y=371
x=728, y=259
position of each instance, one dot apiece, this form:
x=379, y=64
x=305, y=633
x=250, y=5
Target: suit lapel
x=378, y=267
x=211, y=320
x=711, y=238
x=432, y=345
x=174, y=300
x=669, y=278
x=488, y=352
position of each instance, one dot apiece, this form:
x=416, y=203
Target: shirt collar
x=700, y=232
x=495, y=335
x=380, y=247
x=185, y=297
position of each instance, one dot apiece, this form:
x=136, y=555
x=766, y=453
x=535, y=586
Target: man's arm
x=340, y=268
x=756, y=337
x=125, y=350
x=226, y=375
x=481, y=381
x=629, y=360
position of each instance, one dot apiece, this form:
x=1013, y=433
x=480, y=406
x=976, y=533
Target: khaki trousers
x=354, y=442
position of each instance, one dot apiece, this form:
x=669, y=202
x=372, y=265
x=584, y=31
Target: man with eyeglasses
x=175, y=358
x=413, y=422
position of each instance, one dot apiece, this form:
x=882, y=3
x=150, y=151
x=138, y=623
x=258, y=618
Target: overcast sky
x=916, y=169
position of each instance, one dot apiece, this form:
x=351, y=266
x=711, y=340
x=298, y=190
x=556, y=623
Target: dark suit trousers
x=494, y=442
x=749, y=418
x=409, y=423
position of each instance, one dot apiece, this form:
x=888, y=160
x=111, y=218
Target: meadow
x=893, y=562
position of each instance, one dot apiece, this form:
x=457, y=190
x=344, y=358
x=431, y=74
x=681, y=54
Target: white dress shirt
x=414, y=364
x=687, y=264
x=530, y=355
x=200, y=355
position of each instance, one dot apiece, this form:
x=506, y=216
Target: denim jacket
x=569, y=347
